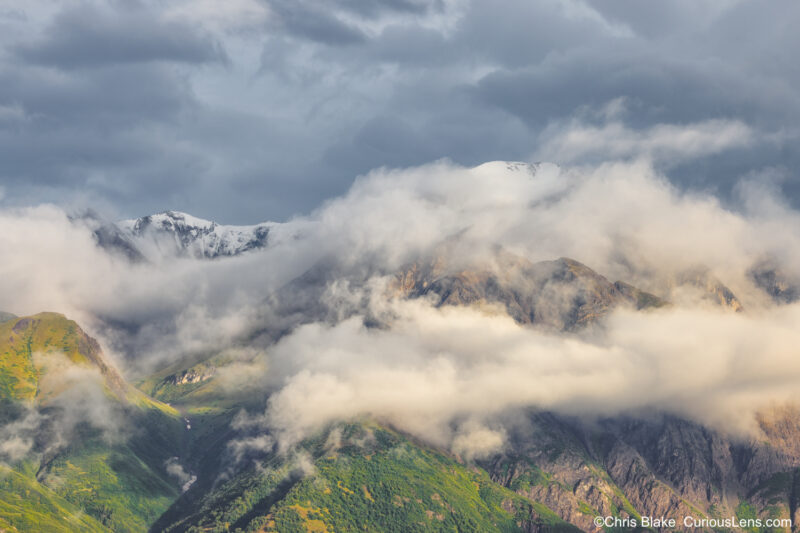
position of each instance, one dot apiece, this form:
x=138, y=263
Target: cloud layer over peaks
x=311, y=322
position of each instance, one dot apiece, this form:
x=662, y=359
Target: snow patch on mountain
x=173, y=233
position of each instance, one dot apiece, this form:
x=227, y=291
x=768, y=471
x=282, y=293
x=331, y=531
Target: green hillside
x=78, y=477
x=360, y=478
x=29, y=345
x=112, y=484
x=26, y=505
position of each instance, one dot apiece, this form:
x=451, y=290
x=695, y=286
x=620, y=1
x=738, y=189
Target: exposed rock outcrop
x=562, y=294
x=661, y=467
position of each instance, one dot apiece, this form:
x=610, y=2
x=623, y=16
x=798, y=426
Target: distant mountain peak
x=563, y=294
x=167, y=220
x=174, y=233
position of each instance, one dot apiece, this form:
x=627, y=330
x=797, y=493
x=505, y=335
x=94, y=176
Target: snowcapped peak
x=507, y=166
x=173, y=233
x=177, y=217
x=166, y=220
x=514, y=170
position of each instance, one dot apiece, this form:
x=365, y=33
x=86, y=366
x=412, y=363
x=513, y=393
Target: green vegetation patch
x=25, y=505
x=367, y=478
x=111, y=484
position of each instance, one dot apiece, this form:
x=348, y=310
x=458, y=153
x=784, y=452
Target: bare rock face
x=698, y=465
x=770, y=278
x=709, y=287
x=548, y=462
x=642, y=487
x=193, y=375
x=562, y=294
x=660, y=467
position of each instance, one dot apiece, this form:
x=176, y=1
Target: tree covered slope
x=360, y=477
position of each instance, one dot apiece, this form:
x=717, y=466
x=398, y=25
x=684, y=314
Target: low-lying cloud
x=71, y=397
x=436, y=366
x=446, y=373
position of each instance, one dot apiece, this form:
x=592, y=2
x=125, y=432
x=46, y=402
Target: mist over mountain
x=560, y=332
x=481, y=238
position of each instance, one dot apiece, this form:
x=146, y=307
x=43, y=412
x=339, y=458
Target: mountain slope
x=709, y=288
x=29, y=346
x=76, y=435
x=28, y=506
x=361, y=477
x=656, y=466
x=562, y=294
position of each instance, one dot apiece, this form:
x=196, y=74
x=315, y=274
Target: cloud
x=679, y=148
x=262, y=110
x=665, y=142
x=315, y=23
x=232, y=16
x=432, y=371
x=176, y=470
x=87, y=35
x=69, y=397
x=622, y=219
x=434, y=366
x=17, y=438
x=477, y=441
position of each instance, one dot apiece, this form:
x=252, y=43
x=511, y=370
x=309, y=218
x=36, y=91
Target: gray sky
x=249, y=110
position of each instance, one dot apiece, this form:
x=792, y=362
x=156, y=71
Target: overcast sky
x=251, y=110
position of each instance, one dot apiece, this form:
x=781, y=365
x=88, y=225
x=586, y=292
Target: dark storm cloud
x=315, y=23
x=259, y=109
x=658, y=89
x=379, y=6
x=90, y=36
x=116, y=96
x=101, y=132
x=372, y=9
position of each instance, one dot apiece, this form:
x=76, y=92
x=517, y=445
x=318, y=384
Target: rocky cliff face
x=562, y=294
x=191, y=376
x=708, y=288
x=769, y=277
x=662, y=466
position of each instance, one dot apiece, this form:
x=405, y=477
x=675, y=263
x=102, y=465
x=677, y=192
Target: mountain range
x=85, y=449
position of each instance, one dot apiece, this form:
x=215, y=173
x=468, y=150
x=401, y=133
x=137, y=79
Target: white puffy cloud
x=477, y=441
x=671, y=143
x=435, y=366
